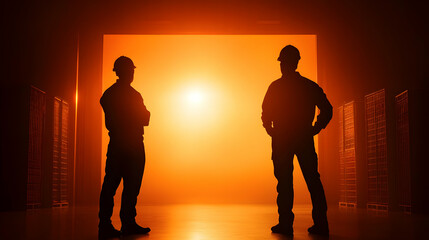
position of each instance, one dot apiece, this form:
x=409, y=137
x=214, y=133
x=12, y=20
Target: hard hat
x=289, y=53
x=123, y=63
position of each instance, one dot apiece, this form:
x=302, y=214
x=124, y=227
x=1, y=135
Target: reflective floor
x=211, y=222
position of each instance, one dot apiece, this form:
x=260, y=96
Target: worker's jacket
x=289, y=107
x=125, y=113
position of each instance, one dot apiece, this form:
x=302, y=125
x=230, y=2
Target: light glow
x=205, y=142
x=195, y=97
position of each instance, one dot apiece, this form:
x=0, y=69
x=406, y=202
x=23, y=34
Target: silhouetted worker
x=125, y=115
x=288, y=111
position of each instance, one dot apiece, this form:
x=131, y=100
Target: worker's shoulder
x=116, y=89
x=275, y=83
x=136, y=94
x=112, y=92
x=310, y=83
x=134, y=91
x=111, y=89
x=303, y=80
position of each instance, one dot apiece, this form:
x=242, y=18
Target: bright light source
x=195, y=96
x=198, y=106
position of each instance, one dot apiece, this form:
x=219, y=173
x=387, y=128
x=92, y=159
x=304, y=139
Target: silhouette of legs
x=132, y=182
x=307, y=159
x=112, y=179
x=127, y=164
x=283, y=152
x=283, y=171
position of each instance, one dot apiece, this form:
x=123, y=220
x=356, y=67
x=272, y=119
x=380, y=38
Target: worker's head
x=124, y=68
x=289, y=58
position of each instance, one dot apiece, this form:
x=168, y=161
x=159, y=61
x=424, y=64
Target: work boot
x=322, y=230
x=285, y=229
x=108, y=231
x=134, y=228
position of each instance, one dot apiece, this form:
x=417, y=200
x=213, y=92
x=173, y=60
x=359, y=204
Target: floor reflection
x=211, y=222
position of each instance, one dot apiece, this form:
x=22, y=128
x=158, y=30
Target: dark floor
x=211, y=222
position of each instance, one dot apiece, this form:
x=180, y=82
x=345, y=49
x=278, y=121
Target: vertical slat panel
x=64, y=154
x=348, y=181
x=60, y=151
x=36, y=128
x=341, y=149
x=375, y=119
x=350, y=152
x=56, y=152
x=403, y=151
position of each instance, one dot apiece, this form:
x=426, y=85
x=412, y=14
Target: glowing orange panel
x=205, y=142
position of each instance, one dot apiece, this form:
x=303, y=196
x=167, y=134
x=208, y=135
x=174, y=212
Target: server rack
x=403, y=151
x=60, y=154
x=348, y=176
x=36, y=129
x=375, y=121
x=64, y=154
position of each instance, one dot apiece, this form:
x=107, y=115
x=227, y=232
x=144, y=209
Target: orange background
x=205, y=142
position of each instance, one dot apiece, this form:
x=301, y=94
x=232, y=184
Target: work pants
x=127, y=163
x=283, y=154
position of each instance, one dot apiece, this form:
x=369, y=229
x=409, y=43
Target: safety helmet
x=289, y=53
x=123, y=63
